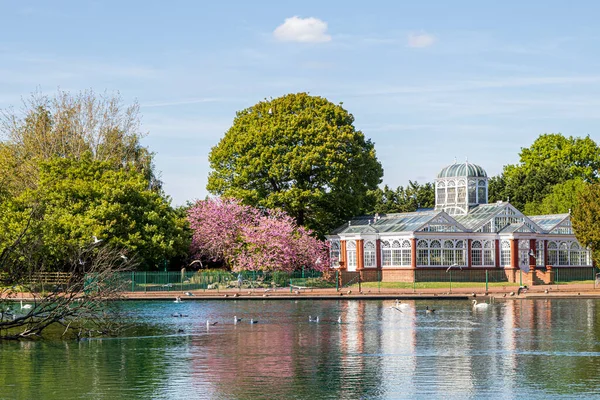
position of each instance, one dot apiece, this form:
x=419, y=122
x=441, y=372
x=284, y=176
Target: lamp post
x=449, y=269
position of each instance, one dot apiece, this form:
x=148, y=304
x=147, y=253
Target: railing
x=218, y=280
x=572, y=274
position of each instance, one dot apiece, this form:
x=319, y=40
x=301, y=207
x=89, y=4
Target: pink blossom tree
x=245, y=238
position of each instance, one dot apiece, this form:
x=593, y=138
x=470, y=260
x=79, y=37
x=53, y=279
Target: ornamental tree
x=299, y=153
x=246, y=238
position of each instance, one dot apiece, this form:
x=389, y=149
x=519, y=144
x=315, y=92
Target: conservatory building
x=463, y=231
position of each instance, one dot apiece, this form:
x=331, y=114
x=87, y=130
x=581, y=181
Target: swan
x=208, y=323
x=401, y=305
x=25, y=306
x=177, y=300
x=236, y=319
x=253, y=321
x=480, y=306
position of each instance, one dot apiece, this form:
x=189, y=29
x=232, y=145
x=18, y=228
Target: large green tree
x=586, y=218
x=299, y=153
x=552, y=159
x=75, y=200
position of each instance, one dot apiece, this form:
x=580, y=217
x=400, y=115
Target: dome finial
x=467, y=160
x=454, y=159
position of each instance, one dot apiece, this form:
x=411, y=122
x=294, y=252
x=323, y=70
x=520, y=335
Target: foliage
x=552, y=159
x=82, y=303
x=69, y=126
x=299, y=153
x=562, y=199
x=586, y=219
x=83, y=198
x=244, y=238
x=402, y=199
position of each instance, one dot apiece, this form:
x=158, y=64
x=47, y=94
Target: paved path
x=507, y=292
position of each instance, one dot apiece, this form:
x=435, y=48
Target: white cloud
x=421, y=39
x=306, y=30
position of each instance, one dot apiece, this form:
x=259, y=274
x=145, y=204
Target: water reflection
x=538, y=349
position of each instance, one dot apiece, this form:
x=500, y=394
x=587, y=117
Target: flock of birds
x=399, y=306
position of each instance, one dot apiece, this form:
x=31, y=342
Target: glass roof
x=547, y=222
x=400, y=222
x=466, y=169
x=479, y=215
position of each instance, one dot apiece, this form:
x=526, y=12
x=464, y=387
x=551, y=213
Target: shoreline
x=579, y=291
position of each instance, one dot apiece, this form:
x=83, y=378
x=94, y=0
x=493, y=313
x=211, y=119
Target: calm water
x=520, y=349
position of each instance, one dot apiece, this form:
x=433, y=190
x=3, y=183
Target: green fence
x=219, y=280
x=566, y=274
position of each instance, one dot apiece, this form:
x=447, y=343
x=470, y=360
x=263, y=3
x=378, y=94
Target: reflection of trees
x=560, y=362
x=89, y=369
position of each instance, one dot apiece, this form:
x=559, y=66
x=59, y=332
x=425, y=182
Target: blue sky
x=426, y=81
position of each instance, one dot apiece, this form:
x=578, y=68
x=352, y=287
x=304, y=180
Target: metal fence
x=566, y=274
x=145, y=281
x=308, y=279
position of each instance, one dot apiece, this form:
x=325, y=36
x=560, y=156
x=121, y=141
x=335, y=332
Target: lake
x=534, y=349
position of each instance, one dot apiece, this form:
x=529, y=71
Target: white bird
x=188, y=293
x=253, y=321
x=123, y=256
x=480, y=306
x=96, y=240
x=340, y=319
x=236, y=319
x=177, y=300
x=25, y=306
x=402, y=306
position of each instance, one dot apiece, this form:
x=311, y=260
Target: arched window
x=472, y=191
x=351, y=255
x=369, y=256
x=489, y=253
x=476, y=253
x=441, y=194
x=523, y=252
x=481, y=193
x=552, y=253
x=386, y=253
x=396, y=253
x=563, y=254
x=406, y=253
x=422, y=252
x=539, y=253
x=334, y=254
x=505, y=253
x=451, y=194
x=435, y=252
x=461, y=192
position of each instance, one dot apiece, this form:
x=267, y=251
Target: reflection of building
x=463, y=230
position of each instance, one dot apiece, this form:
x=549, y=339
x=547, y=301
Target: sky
x=426, y=81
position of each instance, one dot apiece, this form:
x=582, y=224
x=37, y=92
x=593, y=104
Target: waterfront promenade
x=498, y=293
